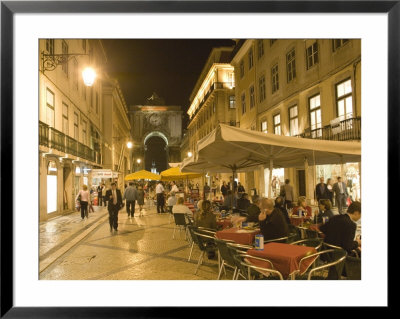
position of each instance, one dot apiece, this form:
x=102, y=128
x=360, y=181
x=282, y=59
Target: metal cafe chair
x=225, y=257
x=180, y=222
x=268, y=272
x=202, y=240
x=235, y=250
x=352, y=268
x=329, y=271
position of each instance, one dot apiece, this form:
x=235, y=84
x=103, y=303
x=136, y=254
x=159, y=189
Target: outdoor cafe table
x=239, y=236
x=284, y=257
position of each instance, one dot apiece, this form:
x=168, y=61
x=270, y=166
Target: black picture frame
x=9, y=8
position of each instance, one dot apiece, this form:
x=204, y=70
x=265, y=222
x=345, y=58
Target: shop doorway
x=66, y=186
x=51, y=187
x=301, y=182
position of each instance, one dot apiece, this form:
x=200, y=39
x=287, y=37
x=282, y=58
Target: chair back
x=193, y=235
x=224, y=252
x=277, y=240
x=180, y=219
x=352, y=268
x=311, y=233
x=310, y=242
x=203, y=239
x=336, y=257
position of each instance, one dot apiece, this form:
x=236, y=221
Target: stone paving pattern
x=142, y=249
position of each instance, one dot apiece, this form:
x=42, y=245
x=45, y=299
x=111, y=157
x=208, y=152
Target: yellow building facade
x=300, y=88
x=71, y=121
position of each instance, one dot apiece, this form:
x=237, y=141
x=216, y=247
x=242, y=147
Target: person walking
x=104, y=191
x=115, y=203
x=288, y=193
x=140, y=199
x=206, y=191
x=341, y=194
x=130, y=195
x=83, y=197
x=100, y=195
x=160, y=197
x=321, y=190
x=224, y=189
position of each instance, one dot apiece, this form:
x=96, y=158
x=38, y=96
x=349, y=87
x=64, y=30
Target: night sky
x=168, y=67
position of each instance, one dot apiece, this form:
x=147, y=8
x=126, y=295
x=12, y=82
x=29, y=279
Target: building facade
x=305, y=88
x=212, y=101
x=71, y=121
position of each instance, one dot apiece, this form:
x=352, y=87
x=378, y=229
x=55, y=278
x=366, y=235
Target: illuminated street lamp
x=129, y=144
x=138, y=160
x=189, y=154
x=89, y=75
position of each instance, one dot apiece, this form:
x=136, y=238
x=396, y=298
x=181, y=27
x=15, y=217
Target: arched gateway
x=157, y=133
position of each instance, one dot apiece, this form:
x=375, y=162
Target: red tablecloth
x=239, y=236
x=315, y=227
x=284, y=257
x=190, y=206
x=226, y=222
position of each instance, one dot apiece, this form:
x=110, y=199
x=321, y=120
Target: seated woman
x=181, y=208
x=243, y=202
x=206, y=218
x=324, y=211
x=302, y=206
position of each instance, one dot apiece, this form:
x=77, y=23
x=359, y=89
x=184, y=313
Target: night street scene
x=199, y=159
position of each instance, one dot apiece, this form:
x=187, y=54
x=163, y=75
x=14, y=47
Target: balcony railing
x=50, y=137
x=215, y=85
x=231, y=123
x=350, y=129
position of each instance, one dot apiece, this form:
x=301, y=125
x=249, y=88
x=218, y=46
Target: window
x=241, y=69
x=312, y=55
x=232, y=79
x=261, y=84
x=243, y=103
x=76, y=74
x=264, y=126
x=293, y=121
x=275, y=78
x=344, y=102
x=260, y=45
x=232, y=104
x=84, y=130
x=337, y=43
x=65, y=118
x=50, y=46
x=84, y=45
x=50, y=108
x=277, y=124
x=76, y=127
x=315, y=116
x=97, y=103
x=271, y=42
x=250, y=59
x=252, y=98
x=65, y=51
x=291, y=65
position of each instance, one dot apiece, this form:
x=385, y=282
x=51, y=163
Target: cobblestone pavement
x=143, y=248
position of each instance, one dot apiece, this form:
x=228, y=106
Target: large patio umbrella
x=174, y=173
x=232, y=149
x=143, y=174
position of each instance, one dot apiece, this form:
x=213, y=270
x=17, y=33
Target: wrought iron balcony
x=350, y=129
x=50, y=137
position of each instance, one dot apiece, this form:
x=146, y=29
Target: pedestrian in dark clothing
x=280, y=204
x=115, y=203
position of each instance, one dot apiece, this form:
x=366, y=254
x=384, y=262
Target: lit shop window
x=51, y=187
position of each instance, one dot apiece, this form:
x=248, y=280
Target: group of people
x=328, y=191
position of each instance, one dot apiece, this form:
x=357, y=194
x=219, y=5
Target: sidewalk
x=59, y=234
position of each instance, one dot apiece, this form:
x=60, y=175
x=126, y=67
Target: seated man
x=340, y=230
x=272, y=222
x=243, y=202
x=181, y=208
x=254, y=210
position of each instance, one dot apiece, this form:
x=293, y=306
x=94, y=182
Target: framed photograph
x=25, y=26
